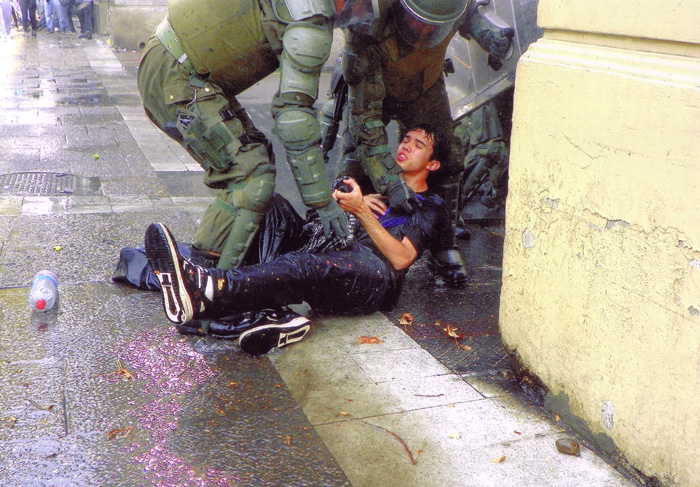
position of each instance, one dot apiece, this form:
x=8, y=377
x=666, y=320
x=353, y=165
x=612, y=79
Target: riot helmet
x=426, y=23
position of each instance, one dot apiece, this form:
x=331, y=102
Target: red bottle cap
x=40, y=304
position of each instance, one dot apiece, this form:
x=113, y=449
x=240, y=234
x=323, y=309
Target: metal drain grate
x=47, y=184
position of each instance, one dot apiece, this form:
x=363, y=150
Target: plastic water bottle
x=44, y=290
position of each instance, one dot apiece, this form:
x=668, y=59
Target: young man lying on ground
x=364, y=276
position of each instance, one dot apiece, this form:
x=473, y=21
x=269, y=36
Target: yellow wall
x=601, y=271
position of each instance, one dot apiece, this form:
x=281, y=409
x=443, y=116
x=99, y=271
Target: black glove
x=501, y=42
x=333, y=219
x=401, y=196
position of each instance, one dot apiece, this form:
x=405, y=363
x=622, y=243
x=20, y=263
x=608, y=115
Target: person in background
x=16, y=16
x=6, y=20
x=59, y=23
x=50, y=16
x=84, y=10
x=28, y=11
x=66, y=12
x=40, y=15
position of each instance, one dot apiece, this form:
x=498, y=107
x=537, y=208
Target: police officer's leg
x=433, y=108
x=306, y=48
x=217, y=132
x=237, y=162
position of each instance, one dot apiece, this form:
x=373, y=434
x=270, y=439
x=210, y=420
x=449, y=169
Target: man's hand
x=348, y=200
x=401, y=196
x=376, y=203
x=333, y=220
x=353, y=201
x=400, y=253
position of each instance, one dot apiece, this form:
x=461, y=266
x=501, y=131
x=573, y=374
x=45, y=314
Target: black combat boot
x=446, y=260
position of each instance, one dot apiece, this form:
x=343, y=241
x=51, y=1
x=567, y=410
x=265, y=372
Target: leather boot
x=448, y=264
x=446, y=260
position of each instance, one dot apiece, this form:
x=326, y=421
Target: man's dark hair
x=441, y=145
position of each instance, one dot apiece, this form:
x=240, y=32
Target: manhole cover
x=48, y=184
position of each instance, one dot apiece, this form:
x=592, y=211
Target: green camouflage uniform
x=389, y=79
x=199, y=59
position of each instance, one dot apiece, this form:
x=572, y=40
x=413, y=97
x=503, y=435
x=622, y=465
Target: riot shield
x=481, y=101
x=474, y=83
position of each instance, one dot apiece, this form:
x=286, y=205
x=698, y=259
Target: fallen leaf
x=517, y=432
x=343, y=413
x=58, y=248
x=220, y=411
x=499, y=459
x=234, y=384
x=370, y=340
x=453, y=332
x=557, y=417
x=281, y=384
x=464, y=347
x=287, y=439
x=406, y=319
x=449, y=405
x=456, y=435
x=120, y=433
x=121, y=372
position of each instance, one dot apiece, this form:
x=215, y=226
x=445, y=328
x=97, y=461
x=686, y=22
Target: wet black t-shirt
x=423, y=227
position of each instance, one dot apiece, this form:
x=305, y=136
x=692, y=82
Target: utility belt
x=168, y=37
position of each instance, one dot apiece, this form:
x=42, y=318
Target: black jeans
x=28, y=10
x=85, y=17
x=350, y=281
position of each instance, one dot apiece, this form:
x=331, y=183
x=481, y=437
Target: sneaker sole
x=262, y=339
x=162, y=254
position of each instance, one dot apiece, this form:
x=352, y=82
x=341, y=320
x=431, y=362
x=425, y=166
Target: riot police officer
x=201, y=56
x=393, y=62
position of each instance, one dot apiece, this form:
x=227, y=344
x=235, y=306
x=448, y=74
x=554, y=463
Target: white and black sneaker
x=276, y=329
x=176, y=274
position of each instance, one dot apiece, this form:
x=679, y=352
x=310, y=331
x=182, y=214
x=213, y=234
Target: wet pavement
x=103, y=391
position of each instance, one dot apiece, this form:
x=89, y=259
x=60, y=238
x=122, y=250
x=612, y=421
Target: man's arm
x=400, y=253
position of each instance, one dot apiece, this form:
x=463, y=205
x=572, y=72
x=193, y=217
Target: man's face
x=415, y=152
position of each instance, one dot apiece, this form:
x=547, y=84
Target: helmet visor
x=418, y=31
x=355, y=12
